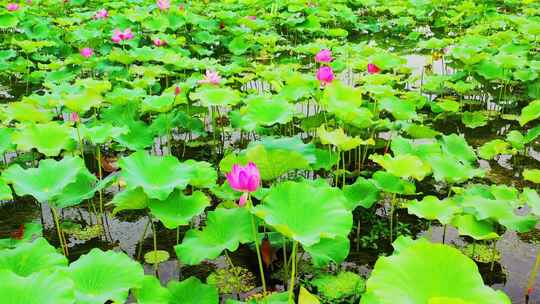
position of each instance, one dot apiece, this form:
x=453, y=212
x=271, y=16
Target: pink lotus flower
x=158, y=42
x=211, y=77
x=244, y=179
x=119, y=36
x=74, y=117
x=252, y=17
x=177, y=90
x=163, y=4
x=12, y=7
x=325, y=75
x=87, y=52
x=324, y=56
x=373, y=69
x=101, y=14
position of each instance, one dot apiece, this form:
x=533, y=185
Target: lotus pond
x=257, y=151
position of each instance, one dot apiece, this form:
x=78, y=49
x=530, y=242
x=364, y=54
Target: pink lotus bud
x=324, y=56
x=163, y=4
x=252, y=17
x=101, y=14
x=211, y=77
x=74, y=117
x=87, y=52
x=158, y=42
x=177, y=90
x=325, y=75
x=373, y=69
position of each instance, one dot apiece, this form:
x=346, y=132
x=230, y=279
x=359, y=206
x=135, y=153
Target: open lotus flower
x=245, y=179
x=211, y=77
x=325, y=75
x=324, y=56
x=74, y=117
x=119, y=36
x=163, y=4
x=87, y=52
x=373, y=69
x=159, y=42
x=101, y=14
x=12, y=7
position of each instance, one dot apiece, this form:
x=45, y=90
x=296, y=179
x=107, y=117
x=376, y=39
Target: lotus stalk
x=532, y=278
x=293, y=271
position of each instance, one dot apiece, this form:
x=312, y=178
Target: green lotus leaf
x=201, y=174
x=5, y=191
x=298, y=87
x=262, y=111
x=338, y=138
x=102, y=133
x=305, y=297
x=363, y=193
x=532, y=175
x=468, y=225
x=392, y=184
x=329, y=250
x=83, y=188
x=532, y=134
x=451, y=170
x=8, y=20
x=293, y=210
x=28, y=258
x=400, y=109
x=474, y=119
x=345, y=102
x=160, y=104
x=138, y=137
x=157, y=176
x=532, y=199
x=151, y=292
x=215, y=96
x=421, y=131
x=493, y=148
x=403, y=165
x=121, y=95
x=516, y=139
x=525, y=75
x=530, y=112
x=48, y=138
x=225, y=229
x=27, y=112
x=239, y=45
x=192, y=291
x=387, y=61
x=335, y=287
x=456, y=279
x=132, y=199
x=5, y=140
x=39, y=288
x=46, y=181
x=458, y=147
x=178, y=209
x=83, y=102
x=156, y=257
x=431, y=208
x=100, y=276
x=31, y=231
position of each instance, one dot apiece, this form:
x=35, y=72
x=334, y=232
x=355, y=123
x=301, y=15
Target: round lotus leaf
x=28, y=258
x=5, y=140
x=225, y=229
x=532, y=199
x=158, y=176
x=431, y=208
x=178, y=209
x=39, y=288
x=338, y=138
x=216, y=96
x=530, y=112
x=265, y=111
x=403, y=165
x=151, y=292
x=201, y=174
x=399, y=108
x=532, y=175
x=307, y=298
x=468, y=225
x=192, y=291
x=458, y=147
x=451, y=170
x=493, y=148
x=46, y=181
x=306, y=213
x=456, y=278
x=100, y=276
x=362, y=193
x=392, y=184
x=474, y=119
x=27, y=112
x=48, y=138
x=132, y=199
x=156, y=257
x=102, y=133
x=329, y=250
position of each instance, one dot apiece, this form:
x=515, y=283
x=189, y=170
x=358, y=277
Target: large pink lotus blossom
x=163, y=4
x=87, y=52
x=245, y=179
x=211, y=77
x=324, y=56
x=325, y=75
x=119, y=36
x=12, y=7
x=373, y=69
x=101, y=14
x=159, y=42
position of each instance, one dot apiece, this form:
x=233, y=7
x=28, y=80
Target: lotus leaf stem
x=142, y=239
x=293, y=271
x=532, y=277
x=256, y=239
x=58, y=230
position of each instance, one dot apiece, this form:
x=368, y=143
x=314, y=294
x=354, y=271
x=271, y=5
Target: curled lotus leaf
x=48, y=138
x=431, y=208
x=403, y=165
x=338, y=138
